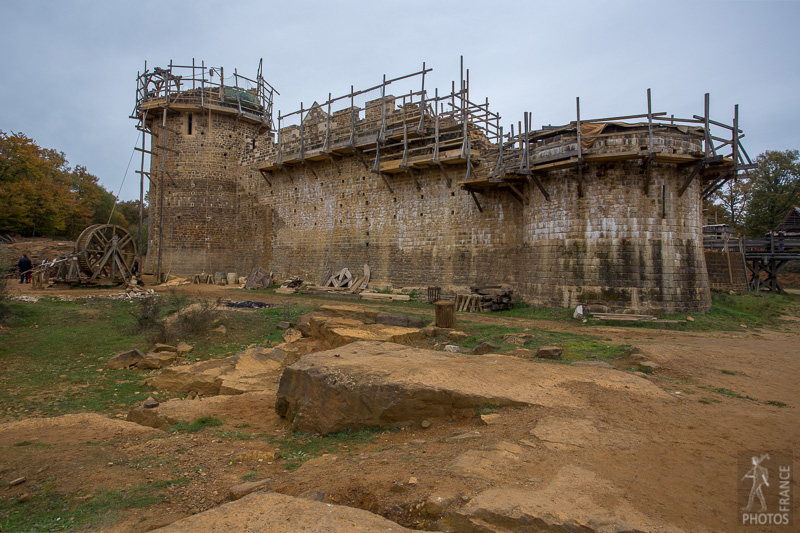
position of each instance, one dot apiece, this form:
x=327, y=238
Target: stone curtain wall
x=346, y=216
x=611, y=247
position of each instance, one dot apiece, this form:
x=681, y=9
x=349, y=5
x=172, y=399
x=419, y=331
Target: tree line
x=757, y=204
x=42, y=195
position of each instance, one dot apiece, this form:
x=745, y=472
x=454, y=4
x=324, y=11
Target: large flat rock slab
x=335, y=331
x=371, y=384
x=254, y=369
x=278, y=513
x=576, y=499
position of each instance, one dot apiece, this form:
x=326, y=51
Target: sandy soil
x=674, y=461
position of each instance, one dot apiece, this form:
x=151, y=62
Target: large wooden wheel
x=106, y=251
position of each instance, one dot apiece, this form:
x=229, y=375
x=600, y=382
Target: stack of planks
x=289, y=286
x=621, y=317
x=485, y=299
x=345, y=280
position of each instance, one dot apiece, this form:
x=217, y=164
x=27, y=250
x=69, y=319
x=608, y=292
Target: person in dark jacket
x=24, y=266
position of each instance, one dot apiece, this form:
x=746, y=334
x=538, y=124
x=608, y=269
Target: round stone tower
x=623, y=227
x=203, y=218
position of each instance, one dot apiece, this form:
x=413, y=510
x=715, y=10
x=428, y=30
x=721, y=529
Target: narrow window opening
x=188, y=124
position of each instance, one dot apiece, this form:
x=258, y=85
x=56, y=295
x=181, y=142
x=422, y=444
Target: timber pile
x=289, y=286
x=620, y=317
x=623, y=317
x=485, y=299
x=384, y=296
x=344, y=280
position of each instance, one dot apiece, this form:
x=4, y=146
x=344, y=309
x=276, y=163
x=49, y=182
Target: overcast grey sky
x=69, y=67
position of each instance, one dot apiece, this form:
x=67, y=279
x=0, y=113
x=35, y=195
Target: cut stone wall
x=614, y=245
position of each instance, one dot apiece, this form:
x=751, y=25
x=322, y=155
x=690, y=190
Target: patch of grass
x=273, y=315
x=642, y=369
x=726, y=392
x=251, y=476
x=729, y=312
x=776, y=403
x=524, y=310
x=233, y=435
x=707, y=400
x=576, y=346
x=51, y=511
x=485, y=409
x=148, y=317
x=729, y=372
x=197, y=425
x=297, y=448
x=53, y=361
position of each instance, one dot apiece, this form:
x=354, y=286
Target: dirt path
x=675, y=461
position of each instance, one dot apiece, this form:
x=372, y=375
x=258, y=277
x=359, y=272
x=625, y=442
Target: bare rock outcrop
x=279, y=513
x=337, y=325
x=171, y=412
x=576, y=499
x=372, y=384
x=254, y=369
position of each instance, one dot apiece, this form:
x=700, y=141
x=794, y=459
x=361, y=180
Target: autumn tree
x=42, y=195
x=775, y=189
x=33, y=187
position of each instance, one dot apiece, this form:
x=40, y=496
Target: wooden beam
x=475, y=198
x=540, y=186
x=311, y=169
x=414, y=177
x=386, y=181
x=446, y=176
x=696, y=170
x=286, y=168
x=360, y=155
x=146, y=174
x=264, y=175
x=517, y=194
x=168, y=129
x=716, y=184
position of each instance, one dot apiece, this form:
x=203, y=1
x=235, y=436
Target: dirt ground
x=674, y=461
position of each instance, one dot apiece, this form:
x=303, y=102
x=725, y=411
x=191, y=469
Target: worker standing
x=25, y=267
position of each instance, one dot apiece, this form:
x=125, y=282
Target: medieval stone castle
x=428, y=190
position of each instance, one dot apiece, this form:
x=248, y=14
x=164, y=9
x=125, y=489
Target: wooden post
x=445, y=314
